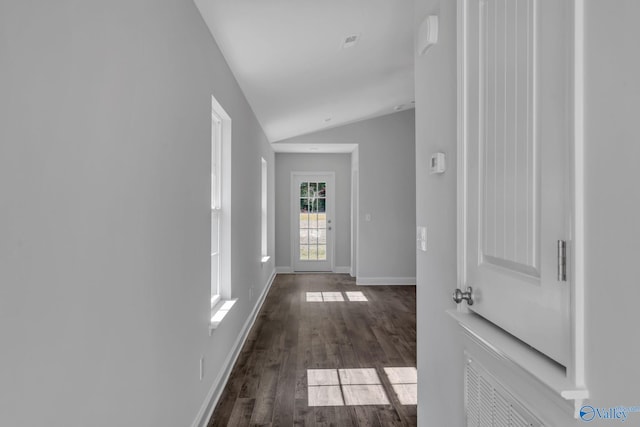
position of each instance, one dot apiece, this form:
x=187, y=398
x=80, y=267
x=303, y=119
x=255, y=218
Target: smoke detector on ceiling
x=350, y=41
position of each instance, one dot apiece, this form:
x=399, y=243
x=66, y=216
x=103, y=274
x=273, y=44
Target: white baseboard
x=385, y=281
x=220, y=382
x=289, y=270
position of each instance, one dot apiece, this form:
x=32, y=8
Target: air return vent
x=488, y=403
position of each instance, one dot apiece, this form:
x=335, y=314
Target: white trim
x=578, y=237
x=311, y=148
x=209, y=405
x=264, y=210
x=462, y=145
x=219, y=114
x=355, y=211
x=385, y=281
x=220, y=307
x=289, y=270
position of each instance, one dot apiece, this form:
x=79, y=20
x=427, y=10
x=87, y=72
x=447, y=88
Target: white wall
x=440, y=398
x=386, y=147
x=104, y=212
x=612, y=205
x=338, y=163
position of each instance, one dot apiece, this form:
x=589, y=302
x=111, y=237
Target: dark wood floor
x=268, y=384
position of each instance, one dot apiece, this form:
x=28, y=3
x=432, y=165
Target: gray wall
x=612, y=203
x=104, y=212
x=338, y=163
x=440, y=398
x=387, y=191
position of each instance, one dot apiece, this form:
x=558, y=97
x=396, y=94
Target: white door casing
x=312, y=224
x=516, y=126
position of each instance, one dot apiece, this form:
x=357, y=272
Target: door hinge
x=562, y=261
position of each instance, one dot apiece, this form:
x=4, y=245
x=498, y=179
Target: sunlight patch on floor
x=338, y=387
x=332, y=296
x=369, y=394
x=326, y=395
x=335, y=297
x=405, y=384
x=356, y=296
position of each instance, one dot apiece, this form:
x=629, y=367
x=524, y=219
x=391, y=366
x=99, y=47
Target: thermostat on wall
x=437, y=164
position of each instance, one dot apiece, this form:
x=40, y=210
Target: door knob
x=458, y=296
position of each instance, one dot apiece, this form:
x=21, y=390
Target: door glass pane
x=313, y=252
x=322, y=252
x=304, y=205
x=322, y=189
x=313, y=220
x=312, y=223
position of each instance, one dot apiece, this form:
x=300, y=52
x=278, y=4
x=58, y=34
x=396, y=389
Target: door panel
x=312, y=214
x=516, y=151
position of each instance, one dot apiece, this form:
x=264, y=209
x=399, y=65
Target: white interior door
x=312, y=221
x=517, y=122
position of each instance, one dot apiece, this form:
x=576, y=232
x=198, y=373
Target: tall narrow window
x=221, y=301
x=216, y=208
x=264, y=245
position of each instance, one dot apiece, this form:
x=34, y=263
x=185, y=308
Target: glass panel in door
x=312, y=221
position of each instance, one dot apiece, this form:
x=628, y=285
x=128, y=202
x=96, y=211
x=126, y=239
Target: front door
x=516, y=146
x=312, y=221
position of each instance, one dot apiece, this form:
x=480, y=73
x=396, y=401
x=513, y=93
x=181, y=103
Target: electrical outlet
x=201, y=367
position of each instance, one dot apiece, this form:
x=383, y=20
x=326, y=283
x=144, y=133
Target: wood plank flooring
x=268, y=385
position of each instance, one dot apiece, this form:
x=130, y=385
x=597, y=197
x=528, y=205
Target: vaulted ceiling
x=290, y=59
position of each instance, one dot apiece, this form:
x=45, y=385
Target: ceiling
x=289, y=59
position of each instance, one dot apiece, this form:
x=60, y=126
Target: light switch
x=437, y=163
x=421, y=238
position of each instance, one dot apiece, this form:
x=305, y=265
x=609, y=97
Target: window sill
x=219, y=312
x=265, y=259
x=505, y=347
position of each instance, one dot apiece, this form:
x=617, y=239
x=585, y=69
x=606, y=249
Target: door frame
x=294, y=209
x=575, y=185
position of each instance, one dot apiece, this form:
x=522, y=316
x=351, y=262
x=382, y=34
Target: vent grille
x=489, y=404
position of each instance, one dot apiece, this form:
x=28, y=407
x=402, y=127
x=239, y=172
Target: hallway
x=317, y=356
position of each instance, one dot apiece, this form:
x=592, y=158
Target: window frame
x=264, y=211
x=220, y=205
